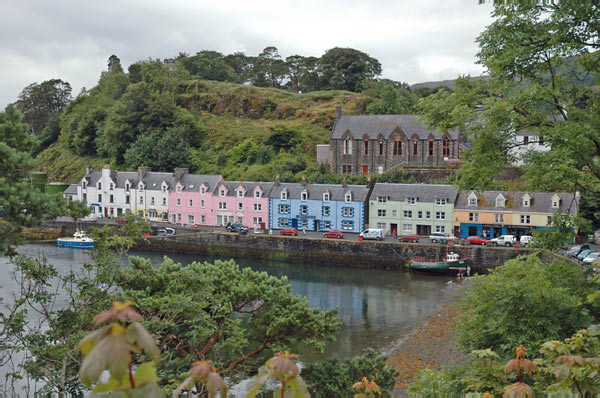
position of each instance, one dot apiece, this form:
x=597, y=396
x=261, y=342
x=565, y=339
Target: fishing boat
x=452, y=262
x=79, y=240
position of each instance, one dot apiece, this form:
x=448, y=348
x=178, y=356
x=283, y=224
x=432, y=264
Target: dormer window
x=284, y=195
x=221, y=192
x=526, y=200
x=112, y=186
x=164, y=187
x=240, y=193
x=127, y=187
x=304, y=195
x=178, y=189
x=326, y=197
x=99, y=185
x=500, y=201
x=84, y=184
x=473, y=199
x=141, y=187
x=203, y=190
x=348, y=197
x=257, y=193
x=556, y=202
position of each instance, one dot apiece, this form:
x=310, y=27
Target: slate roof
x=250, y=186
x=153, y=180
x=123, y=176
x=72, y=189
x=541, y=202
x=316, y=191
x=93, y=177
x=425, y=192
x=373, y=125
x=192, y=182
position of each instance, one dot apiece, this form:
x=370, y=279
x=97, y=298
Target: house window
x=347, y=212
x=428, y=215
x=112, y=186
x=498, y=217
x=283, y=195
x=304, y=196
x=111, y=199
x=99, y=185
x=526, y=139
x=127, y=187
x=257, y=194
x=191, y=219
x=415, y=148
x=348, y=197
x=347, y=225
x=397, y=148
x=440, y=228
x=326, y=211
x=441, y=201
x=178, y=189
x=411, y=201
x=202, y=203
x=500, y=202
x=407, y=213
x=419, y=214
x=380, y=212
x=141, y=187
x=380, y=148
x=240, y=193
x=473, y=216
x=446, y=147
x=327, y=224
x=179, y=217
x=366, y=147
x=430, y=148
x=346, y=169
x=257, y=207
x=126, y=199
x=473, y=200
x=256, y=220
x=326, y=197
x=525, y=202
x=304, y=209
x=283, y=222
x=222, y=205
x=549, y=220
x=379, y=169
x=348, y=146
x=304, y=224
x=525, y=219
x=202, y=190
x=240, y=206
x=99, y=197
x=406, y=227
x=164, y=188
x=202, y=218
x=440, y=215
x=284, y=209
x=394, y=213
x=222, y=192
x=164, y=202
x=152, y=200
x=556, y=203
x=381, y=225
x=382, y=199
x=191, y=203
x=178, y=202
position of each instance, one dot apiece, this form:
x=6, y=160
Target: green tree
x=270, y=64
x=39, y=102
x=395, y=98
x=49, y=133
x=524, y=302
x=543, y=68
x=560, y=233
x=209, y=65
x=347, y=69
x=283, y=137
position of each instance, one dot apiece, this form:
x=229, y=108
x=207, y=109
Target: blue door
x=294, y=222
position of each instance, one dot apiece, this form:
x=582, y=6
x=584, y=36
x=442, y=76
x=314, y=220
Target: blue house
x=318, y=207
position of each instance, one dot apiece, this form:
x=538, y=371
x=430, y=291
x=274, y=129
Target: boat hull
x=75, y=244
x=441, y=266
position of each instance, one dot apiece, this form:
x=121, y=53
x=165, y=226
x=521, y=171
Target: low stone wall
x=342, y=253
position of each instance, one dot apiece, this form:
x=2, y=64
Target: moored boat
x=79, y=240
x=453, y=261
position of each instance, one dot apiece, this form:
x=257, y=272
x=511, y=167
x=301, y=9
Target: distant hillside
x=440, y=83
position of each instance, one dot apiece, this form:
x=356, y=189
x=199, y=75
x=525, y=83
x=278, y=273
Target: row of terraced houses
x=208, y=200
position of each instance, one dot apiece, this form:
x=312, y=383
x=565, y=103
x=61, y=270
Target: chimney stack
x=142, y=172
x=304, y=182
x=338, y=112
x=344, y=183
x=179, y=172
x=88, y=170
x=106, y=171
x=277, y=180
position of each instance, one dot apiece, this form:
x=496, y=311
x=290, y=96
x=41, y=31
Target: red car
x=334, y=233
x=409, y=238
x=121, y=220
x=289, y=232
x=477, y=240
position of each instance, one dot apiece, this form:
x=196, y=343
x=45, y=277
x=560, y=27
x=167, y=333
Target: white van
x=525, y=240
x=504, y=240
x=372, y=233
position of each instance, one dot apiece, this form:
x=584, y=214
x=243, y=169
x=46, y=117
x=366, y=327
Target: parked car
x=590, y=258
x=121, y=220
x=435, y=237
x=165, y=232
x=334, y=233
x=409, y=238
x=372, y=233
x=575, y=250
x=477, y=240
x=239, y=228
x=585, y=253
x=289, y=232
x=90, y=218
x=504, y=240
x=525, y=240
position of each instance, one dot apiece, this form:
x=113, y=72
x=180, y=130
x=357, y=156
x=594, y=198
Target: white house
x=524, y=143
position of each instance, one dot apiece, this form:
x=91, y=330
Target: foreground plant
x=520, y=364
x=367, y=388
x=111, y=348
x=284, y=369
x=206, y=374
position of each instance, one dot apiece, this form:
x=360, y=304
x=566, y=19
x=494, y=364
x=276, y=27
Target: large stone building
x=374, y=144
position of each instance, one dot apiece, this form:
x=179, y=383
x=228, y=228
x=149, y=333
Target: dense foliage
x=525, y=302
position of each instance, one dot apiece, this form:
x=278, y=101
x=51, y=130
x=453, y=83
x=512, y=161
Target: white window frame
x=499, y=217
x=257, y=207
x=178, y=202
x=381, y=212
x=303, y=209
x=240, y=206
x=440, y=215
x=441, y=201
x=284, y=195
x=348, y=197
x=304, y=196
x=178, y=189
x=326, y=197
x=407, y=228
x=257, y=194
x=407, y=213
x=191, y=219
x=222, y=205
x=440, y=228
x=411, y=201
x=191, y=203
x=240, y=193
x=348, y=212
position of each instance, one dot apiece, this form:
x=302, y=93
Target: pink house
x=242, y=202
x=191, y=199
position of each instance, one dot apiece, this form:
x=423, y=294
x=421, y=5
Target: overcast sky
x=415, y=40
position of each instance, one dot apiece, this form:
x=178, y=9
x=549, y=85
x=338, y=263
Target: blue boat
x=79, y=240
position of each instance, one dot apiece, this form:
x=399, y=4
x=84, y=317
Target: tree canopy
x=40, y=102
